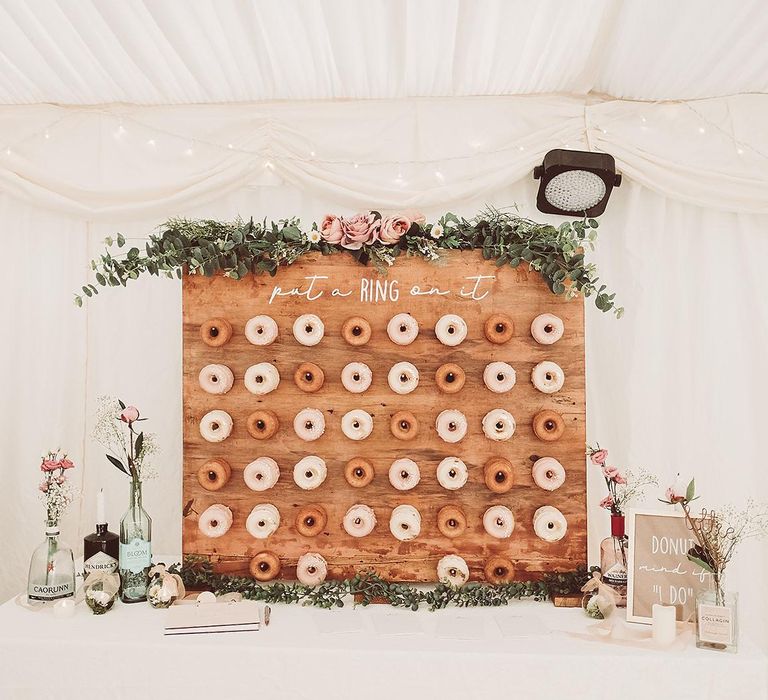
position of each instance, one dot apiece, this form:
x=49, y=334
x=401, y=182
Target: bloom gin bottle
x=135, y=549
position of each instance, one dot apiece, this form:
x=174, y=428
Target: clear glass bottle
x=135, y=549
x=717, y=619
x=613, y=559
x=51, y=569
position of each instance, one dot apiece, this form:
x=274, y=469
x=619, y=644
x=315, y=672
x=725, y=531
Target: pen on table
x=267, y=611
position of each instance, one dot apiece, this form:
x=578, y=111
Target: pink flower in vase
x=675, y=494
x=43, y=486
x=607, y=502
x=67, y=464
x=620, y=478
x=598, y=457
x=611, y=473
x=393, y=229
x=360, y=230
x=50, y=465
x=129, y=414
x=331, y=230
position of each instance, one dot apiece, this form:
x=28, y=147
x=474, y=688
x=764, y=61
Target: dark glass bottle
x=101, y=549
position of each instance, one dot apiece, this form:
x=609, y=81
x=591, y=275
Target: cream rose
x=393, y=229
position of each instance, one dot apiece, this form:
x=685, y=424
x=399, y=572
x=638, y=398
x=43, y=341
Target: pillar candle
x=664, y=625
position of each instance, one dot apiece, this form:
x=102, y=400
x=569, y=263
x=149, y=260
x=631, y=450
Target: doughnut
x=499, y=522
x=498, y=474
x=311, y=520
x=356, y=377
x=216, y=379
x=403, y=378
x=498, y=329
x=309, y=377
x=261, y=330
x=547, y=329
x=498, y=570
x=452, y=473
x=216, y=426
x=451, y=425
x=357, y=424
x=358, y=472
x=261, y=474
x=548, y=377
x=215, y=520
x=450, y=378
x=265, y=566
x=549, y=524
x=453, y=570
x=216, y=332
x=402, y=329
x=499, y=377
x=262, y=424
x=356, y=331
x=262, y=521
x=359, y=520
x=214, y=474
x=308, y=329
x=405, y=523
x=451, y=521
x=548, y=425
x=262, y=378
x=309, y=424
x=309, y=472
x=451, y=330
x=404, y=474
x=311, y=569
x=404, y=425
x=548, y=473
x=498, y=424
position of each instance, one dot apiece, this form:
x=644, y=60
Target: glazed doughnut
x=359, y=520
x=309, y=424
x=265, y=566
x=356, y=377
x=404, y=425
x=311, y=569
x=450, y=378
x=216, y=426
x=311, y=520
x=215, y=332
x=261, y=330
x=261, y=474
x=405, y=523
x=548, y=473
x=452, y=473
x=498, y=474
x=498, y=329
x=499, y=522
x=358, y=472
x=499, y=570
x=498, y=424
x=262, y=424
x=356, y=331
x=451, y=330
x=309, y=377
x=308, y=329
x=215, y=520
x=216, y=379
x=451, y=521
x=547, y=329
x=214, y=474
x=453, y=570
x=499, y=377
x=402, y=329
x=309, y=472
x=549, y=524
x=357, y=424
x=548, y=377
x=548, y=425
x=262, y=521
x=404, y=474
x=262, y=378
x=451, y=425
x=403, y=378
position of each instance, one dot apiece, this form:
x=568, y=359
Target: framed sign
x=659, y=569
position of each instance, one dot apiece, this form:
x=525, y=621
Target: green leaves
x=701, y=563
x=118, y=464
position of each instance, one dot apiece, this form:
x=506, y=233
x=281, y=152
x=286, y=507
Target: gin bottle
x=51, y=569
x=135, y=549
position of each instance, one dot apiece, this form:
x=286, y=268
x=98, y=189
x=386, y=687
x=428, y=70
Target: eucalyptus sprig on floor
x=236, y=248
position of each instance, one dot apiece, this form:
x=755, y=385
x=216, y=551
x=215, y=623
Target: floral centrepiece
x=624, y=486
x=55, y=489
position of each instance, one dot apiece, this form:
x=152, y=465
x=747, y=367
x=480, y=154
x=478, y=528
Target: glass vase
x=717, y=619
x=51, y=569
x=135, y=548
x=613, y=559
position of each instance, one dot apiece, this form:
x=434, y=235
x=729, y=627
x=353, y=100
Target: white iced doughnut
x=216, y=379
x=548, y=377
x=404, y=474
x=356, y=377
x=263, y=520
x=309, y=472
x=308, y=329
x=311, y=569
x=309, y=424
x=359, y=520
x=451, y=329
x=499, y=522
x=498, y=424
x=452, y=569
x=547, y=329
x=402, y=329
x=452, y=473
x=262, y=378
x=357, y=424
x=216, y=426
x=451, y=425
x=549, y=524
x=261, y=330
x=261, y=474
x=548, y=473
x=403, y=378
x=499, y=377
x=405, y=523
x=215, y=520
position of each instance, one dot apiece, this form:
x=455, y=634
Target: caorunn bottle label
x=101, y=561
x=53, y=591
x=136, y=555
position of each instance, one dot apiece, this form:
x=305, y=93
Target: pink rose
x=393, y=229
x=598, y=457
x=620, y=479
x=66, y=464
x=330, y=229
x=43, y=486
x=610, y=472
x=50, y=465
x=129, y=414
x=607, y=502
x=674, y=494
x=359, y=230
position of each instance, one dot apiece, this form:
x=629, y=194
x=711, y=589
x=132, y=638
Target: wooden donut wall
x=519, y=293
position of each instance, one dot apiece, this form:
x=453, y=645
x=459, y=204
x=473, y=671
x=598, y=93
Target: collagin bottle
x=51, y=569
x=135, y=548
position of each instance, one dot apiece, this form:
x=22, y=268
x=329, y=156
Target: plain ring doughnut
x=216, y=426
x=214, y=474
x=261, y=379
x=498, y=329
x=451, y=521
x=261, y=330
x=548, y=425
x=358, y=472
x=453, y=570
x=309, y=424
x=404, y=425
x=451, y=330
x=548, y=473
x=405, y=523
x=356, y=377
x=262, y=424
x=547, y=329
x=309, y=377
x=548, y=377
x=310, y=472
x=499, y=570
x=308, y=329
x=216, y=332
x=357, y=424
x=261, y=474
x=262, y=521
x=311, y=569
x=403, y=378
x=402, y=329
x=499, y=522
x=549, y=524
x=499, y=377
x=404, y=474
x=311, y=520
x=451, y=425
x=359, y=520
x=498, y=475
x=498, y=424
x=216, y=379
x=356, y=331
x=265, y=566
x=450, y=378
x=215, y=520
x=452, y=473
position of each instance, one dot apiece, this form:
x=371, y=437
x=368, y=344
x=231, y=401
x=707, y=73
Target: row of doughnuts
x=402, y=329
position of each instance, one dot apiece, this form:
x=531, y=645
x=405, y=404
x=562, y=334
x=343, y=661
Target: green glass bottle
x=135, y=549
